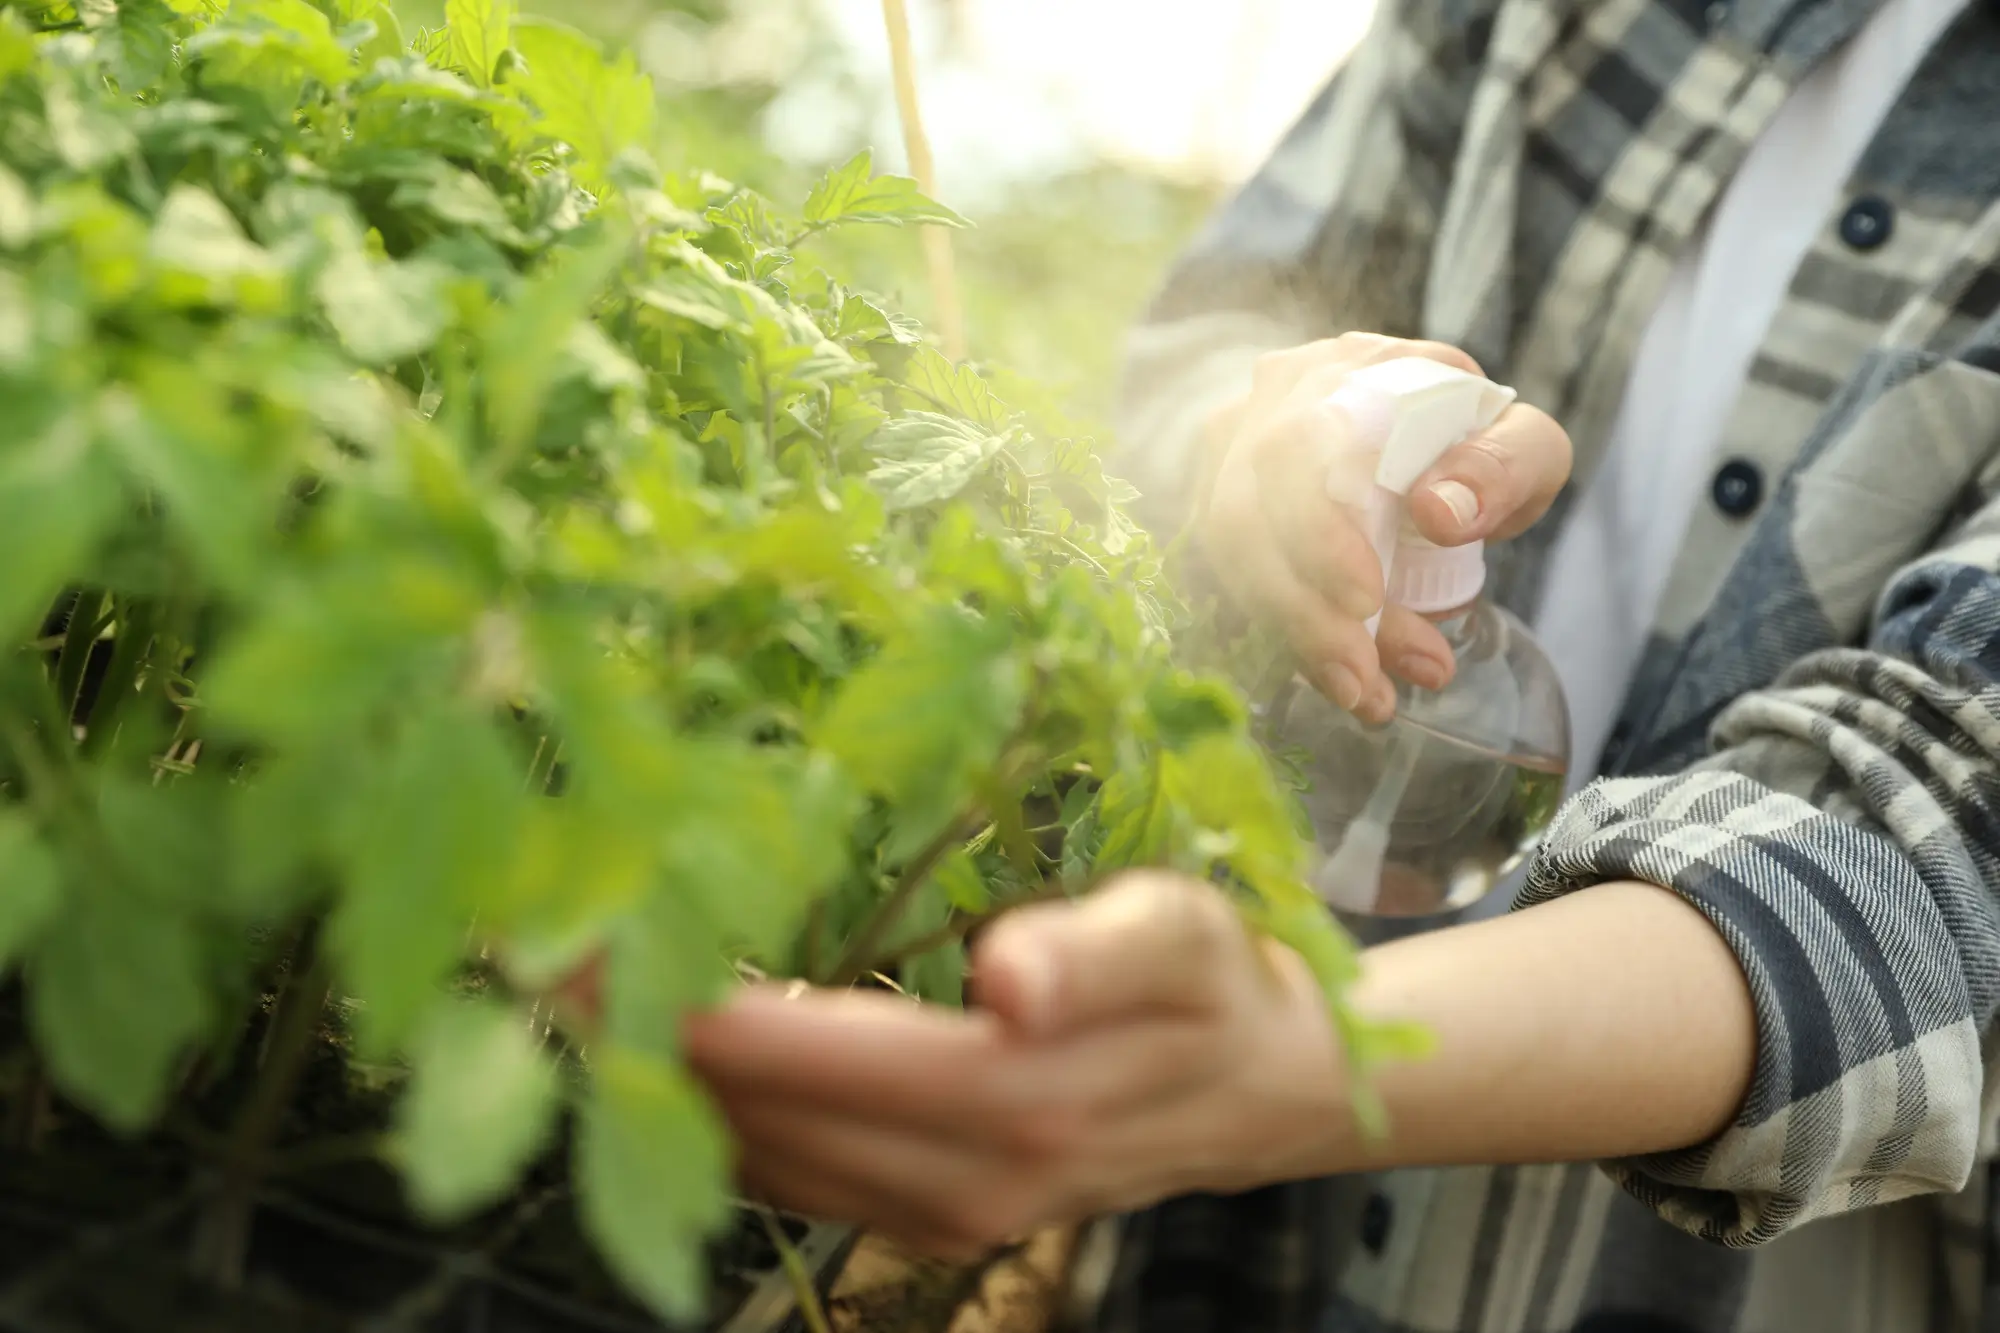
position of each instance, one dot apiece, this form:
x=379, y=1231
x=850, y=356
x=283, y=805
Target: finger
x=1497, y=484
x=1333, y=651
x=1414, y=650
x=1147, y=944
x=841, y=1048
x=1456, y=357
x=840, y=1059
x=1286, y=372
x=1302, y=460
x=865, y=1173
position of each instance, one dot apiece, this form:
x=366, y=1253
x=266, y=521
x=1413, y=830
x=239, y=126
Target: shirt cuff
x=1868, y=1080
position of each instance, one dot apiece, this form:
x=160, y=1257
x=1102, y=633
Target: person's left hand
x=1129, y=1046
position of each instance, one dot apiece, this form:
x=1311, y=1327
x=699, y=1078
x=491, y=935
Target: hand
x=1129, y=1046
x=1287, y=552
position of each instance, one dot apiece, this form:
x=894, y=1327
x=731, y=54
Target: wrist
x=1295, y=1116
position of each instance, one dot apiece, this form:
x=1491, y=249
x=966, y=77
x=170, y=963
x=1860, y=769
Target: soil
x=887, y=1291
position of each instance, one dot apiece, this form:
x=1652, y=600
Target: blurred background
x=1087, y=139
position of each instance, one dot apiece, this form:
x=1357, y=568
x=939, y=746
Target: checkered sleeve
x=1332, y=234
x=1844, y=838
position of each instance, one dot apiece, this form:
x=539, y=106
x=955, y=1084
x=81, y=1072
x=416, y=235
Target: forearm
x=1609, y=1023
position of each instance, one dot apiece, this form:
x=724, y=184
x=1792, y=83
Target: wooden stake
x=936, y=240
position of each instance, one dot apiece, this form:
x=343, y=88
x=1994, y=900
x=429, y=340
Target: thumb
x=1497, y=484
x=1145, y=944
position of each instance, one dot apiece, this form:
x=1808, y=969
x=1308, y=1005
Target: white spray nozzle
x=1410, y=412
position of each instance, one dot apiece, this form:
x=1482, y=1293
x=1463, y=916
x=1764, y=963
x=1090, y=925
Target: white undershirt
x=1609, y=569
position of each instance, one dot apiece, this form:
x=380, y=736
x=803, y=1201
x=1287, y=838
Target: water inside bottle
x=1469, y=814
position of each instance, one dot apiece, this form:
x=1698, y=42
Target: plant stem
x=87, y=622
x=962, y=924
x=853, y=962
x=1015, y=843
x=804, y=234
x=936, y=240
x=223, y=1243
x=136, y=622
x=804, y=1291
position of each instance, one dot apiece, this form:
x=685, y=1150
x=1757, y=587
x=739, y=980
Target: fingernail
x=1420, y=670
x=1458, y=498
x=1343, y=687
x=1381, y=705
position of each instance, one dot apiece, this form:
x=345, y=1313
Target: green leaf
x=270, y=46
x=921, y=721
x=599, y=108
x=139, y=48
x=326, y=654
x=480, y=31
x=666, y=958
x=698, y=289
x=1138, y=812
x=117, y=995
x=18, y=222
x=281, y=824
x=203, y=257
x=481, y=1103
x=458, y=198
x=524, y=346
x=851, y=193
x=754, y=836
x=1228, y=788
x=57, y=502
x=938, y=976
x=296, y=674
x=167, y=840
x=349, y=12
x=926, y=458
x=862, y=321
x=388, y=42
x=178, y=443
x=957, y=877
x=82, y=128
x=1187, y=708
x=432, y=834
x=383, y=312
x=30, y=887
x=958, y=390
x=653, y=1167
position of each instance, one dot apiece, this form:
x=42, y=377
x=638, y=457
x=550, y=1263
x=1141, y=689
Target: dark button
x=1739, y=488
x=1376, y=1217
x=1868, y=223
x=1716, y=15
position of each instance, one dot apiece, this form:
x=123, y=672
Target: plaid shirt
x=1811, y=750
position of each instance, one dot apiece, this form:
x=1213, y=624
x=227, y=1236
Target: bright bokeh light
x=1029, y=87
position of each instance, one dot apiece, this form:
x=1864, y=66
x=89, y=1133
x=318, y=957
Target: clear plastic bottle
x=1427, y=814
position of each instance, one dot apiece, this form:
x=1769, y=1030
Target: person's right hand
x=1290, y=554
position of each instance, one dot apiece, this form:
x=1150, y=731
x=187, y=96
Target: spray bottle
x=1427, y=814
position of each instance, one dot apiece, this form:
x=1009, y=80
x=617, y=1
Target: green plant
x=441, y=548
